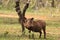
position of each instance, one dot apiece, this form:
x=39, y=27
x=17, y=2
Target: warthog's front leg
x=29, y=33
x=40, y=34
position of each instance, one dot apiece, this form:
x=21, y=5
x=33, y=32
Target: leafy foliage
x=10, y=4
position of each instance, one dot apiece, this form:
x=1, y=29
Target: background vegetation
x=34, y=4
x=10, y=29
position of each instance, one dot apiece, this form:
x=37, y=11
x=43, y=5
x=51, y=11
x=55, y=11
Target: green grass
x=12, y=26
x=14, y=30
x=53, y=23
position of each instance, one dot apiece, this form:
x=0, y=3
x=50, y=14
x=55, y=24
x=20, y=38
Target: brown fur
x=36, y=26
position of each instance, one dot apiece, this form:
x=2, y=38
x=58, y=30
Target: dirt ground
x=27, y=16
x=30, y=16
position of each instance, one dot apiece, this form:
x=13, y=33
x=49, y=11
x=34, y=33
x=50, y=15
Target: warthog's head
x=28, y=22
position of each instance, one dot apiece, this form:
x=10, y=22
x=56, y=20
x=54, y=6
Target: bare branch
x=26, y=7
x=18, y=8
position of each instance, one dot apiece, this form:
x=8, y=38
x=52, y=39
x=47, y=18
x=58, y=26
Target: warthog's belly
x=34, y=29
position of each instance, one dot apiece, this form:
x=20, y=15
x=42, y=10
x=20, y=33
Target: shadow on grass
x=25, y=37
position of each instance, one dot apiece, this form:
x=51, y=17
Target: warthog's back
x=37, y=25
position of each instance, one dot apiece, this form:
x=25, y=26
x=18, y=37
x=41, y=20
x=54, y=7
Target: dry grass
x=9, y=23
x=13, y=28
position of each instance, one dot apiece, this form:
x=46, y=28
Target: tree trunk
x=52, y=3
x=21, y=14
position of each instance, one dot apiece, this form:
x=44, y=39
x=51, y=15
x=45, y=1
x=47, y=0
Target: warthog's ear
x=32, y=19
x=25, y=18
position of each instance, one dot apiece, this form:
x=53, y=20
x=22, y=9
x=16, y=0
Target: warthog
x=35, y=26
